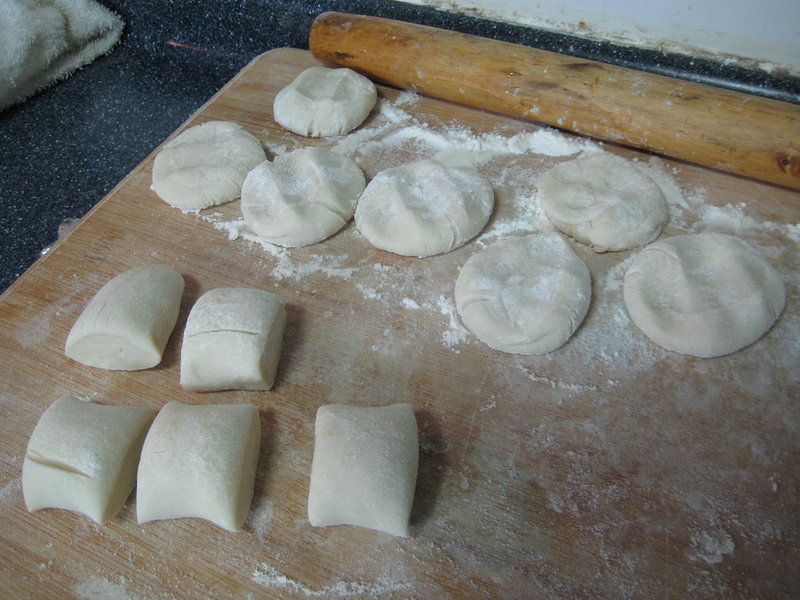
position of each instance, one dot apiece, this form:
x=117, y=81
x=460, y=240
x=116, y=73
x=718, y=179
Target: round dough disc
x=323, y=102
x=302, y=197
x=604, y=201
x=704, y=294
x=424, y=208
x=205, y=165
x=524, y=295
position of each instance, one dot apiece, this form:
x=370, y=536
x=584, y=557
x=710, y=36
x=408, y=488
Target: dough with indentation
x=364, y=468
x=127, y=323
x=524, y=295
x=199, y=461
x=82, y=456
x=302, y=197
x=705, y=295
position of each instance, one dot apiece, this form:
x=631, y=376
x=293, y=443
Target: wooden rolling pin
x=731, y=131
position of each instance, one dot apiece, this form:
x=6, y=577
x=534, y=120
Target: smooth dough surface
x=704, y=295
x=324, y=102
x=364, y=469
x=199, y=461
x=205, y=165
x=524, y=295
x=82, y=456
x=424, y=208
x=302, y=197
x=604, y=201
x=127, y=323
x=233, y=340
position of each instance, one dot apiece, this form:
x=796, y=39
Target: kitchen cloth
x=42, y=41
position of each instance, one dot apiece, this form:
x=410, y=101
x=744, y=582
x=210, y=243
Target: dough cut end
x=112, y=352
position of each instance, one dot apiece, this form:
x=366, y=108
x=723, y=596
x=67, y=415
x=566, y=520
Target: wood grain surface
x=609, y=468
x=723, y=129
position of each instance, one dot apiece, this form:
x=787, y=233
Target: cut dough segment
x=424, y=208
x=233, y=340
x=82, y=456
x=604, y=201
x=205, y=165
x=524, y=295
x=324, y=102
x=302, y=197
x=704, y=295
x=128, y=322
x=364, y=469
x=199, y=461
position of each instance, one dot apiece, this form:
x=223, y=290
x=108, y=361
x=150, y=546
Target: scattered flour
x=99, y=588
x=267, y=576
x=711, y=547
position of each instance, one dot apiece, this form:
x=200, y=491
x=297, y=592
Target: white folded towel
x=42, y=41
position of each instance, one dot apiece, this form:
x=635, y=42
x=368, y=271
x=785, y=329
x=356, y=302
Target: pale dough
x=233, y=340
x=199, y=461
x=524, y=295
x=604, y=201
x=323, y=102
x=302, y=197
x=364, y=469
x=205, y=165
x=127, y=323
x=82, y=456
x=704, y=294
x=424, y=208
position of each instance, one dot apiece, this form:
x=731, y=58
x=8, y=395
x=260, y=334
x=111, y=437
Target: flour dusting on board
x=269, y=577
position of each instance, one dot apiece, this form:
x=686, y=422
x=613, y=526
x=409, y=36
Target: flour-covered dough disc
x=205, y=165
x=233, y=340
x=127, y=323
x=424, y=208
x=199, y=461
x=323, y=102
x=604, y=201
x=302, y=197
x=524, y=295
x=82, y=456
x=704, y=295
x=364, y=469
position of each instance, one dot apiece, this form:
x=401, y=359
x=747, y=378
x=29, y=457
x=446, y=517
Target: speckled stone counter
x=67, y=147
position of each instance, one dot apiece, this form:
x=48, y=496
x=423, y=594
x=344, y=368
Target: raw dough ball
x=524, y=295
x=364, y=469
x=199, y=461
x=705, y=295
x=604, y=201
x=82, y=456
x=301, y=197
x=323, y=102
x=205, y=165
x=128, y=322
x=424, y=208
x=232, y=340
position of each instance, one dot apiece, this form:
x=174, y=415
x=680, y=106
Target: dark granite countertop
x=63, y=150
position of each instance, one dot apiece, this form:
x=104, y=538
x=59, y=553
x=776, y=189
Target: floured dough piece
x=364, y=469
x=205, y=165
x=302, y=197
x=82, y=456
x=604, y=201
x=233, y=340
x=424, y=208
x=128, y=322
x=199, y=461
x=704, y=295
x=323, y=102
x=524, y=295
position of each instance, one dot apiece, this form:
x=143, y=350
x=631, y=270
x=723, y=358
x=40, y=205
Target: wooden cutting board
x=608, y=468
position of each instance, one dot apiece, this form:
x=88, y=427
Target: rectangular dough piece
x=82, y=456
x=364, y=469
x=233, y=340
x=127, y=323
x=199, y=461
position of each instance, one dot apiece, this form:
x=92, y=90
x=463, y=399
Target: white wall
x=754, y=33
